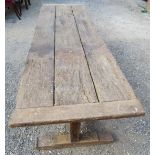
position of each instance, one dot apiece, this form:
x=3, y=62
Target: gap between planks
x=54, y=59
x=85, y=54
x=73, y=83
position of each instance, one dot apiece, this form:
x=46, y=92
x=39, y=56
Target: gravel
x=125, y=29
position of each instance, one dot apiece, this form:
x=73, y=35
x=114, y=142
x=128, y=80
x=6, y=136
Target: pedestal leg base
x=62, y=141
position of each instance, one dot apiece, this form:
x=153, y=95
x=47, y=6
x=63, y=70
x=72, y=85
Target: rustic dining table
x=70, y=77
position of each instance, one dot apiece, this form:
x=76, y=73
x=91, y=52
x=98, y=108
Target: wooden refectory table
x=70, y=76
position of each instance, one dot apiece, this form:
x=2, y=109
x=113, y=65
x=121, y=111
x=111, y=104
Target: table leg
x=75, y=131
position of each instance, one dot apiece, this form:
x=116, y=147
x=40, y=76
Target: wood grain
x=78, y=112
x=36, y=85
x=73, y=83
x=110, y=83
x=43, y=41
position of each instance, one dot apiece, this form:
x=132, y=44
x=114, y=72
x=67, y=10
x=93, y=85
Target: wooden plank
x=43, y=41
x=61, y=141
x=110, y=83
x=73, y=83
x=78, y=112
x=36, y=85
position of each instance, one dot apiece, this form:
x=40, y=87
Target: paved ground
x=125, y=29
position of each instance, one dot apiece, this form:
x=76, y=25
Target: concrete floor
x=125, y=29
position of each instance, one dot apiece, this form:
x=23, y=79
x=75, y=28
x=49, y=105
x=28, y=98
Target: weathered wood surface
x=78, y=112
x=70, y=74
x=43, y=41
x=110, y=83
x=73, y=83
x=35, y=88
x=36, y=85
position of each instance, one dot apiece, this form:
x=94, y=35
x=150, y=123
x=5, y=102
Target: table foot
x=64, y=140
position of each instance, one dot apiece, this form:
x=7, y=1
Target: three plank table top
x=70, y=75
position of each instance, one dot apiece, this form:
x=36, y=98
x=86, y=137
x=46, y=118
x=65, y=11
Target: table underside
x=70, y=75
